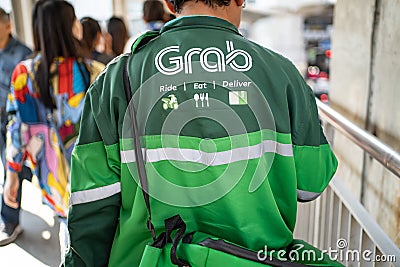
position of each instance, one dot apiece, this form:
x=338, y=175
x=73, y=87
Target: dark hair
x=4, y=16
x=52, y=31
x=153, y=10
x=117, y=29
x=91, y=29
x=212, y=3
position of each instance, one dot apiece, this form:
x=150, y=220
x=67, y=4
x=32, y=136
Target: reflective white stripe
x=129, y=155
x=92, y=195
x=211, y=159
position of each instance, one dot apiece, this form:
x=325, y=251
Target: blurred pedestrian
x=12, y=51
x=93, y=38
x=117, y=29
x=46, y=100
x=154, y=17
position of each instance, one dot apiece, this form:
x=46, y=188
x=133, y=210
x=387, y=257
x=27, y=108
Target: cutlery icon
x=196, y=98
x=202, y=99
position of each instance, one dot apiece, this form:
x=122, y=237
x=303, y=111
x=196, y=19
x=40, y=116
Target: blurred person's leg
x=10, y=228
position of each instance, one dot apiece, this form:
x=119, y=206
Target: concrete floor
x=38, y=245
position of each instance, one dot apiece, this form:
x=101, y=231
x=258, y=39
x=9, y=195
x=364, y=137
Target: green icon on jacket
x=171, y=102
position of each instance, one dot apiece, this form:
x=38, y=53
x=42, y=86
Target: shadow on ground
x=39, y=239
x=38, y=245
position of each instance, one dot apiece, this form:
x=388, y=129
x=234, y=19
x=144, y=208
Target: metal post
x=119, y=8
x=22, y=20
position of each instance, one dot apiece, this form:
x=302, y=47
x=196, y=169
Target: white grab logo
x=184, y=63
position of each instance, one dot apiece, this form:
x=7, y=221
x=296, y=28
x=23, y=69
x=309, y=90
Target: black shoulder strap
x=138, y=150
x=140, y=42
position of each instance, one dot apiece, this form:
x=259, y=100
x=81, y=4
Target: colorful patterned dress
x=41, y=138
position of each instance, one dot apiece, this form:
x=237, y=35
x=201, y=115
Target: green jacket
x=230, y=133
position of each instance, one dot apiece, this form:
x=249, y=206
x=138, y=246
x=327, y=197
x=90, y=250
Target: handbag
x=175, y=247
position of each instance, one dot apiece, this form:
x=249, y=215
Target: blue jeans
x=9, y=215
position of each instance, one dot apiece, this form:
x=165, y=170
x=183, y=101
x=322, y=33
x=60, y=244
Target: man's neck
x=4, y=42
x=200, y=8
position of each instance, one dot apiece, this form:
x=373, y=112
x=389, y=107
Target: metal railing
x=337, y=222
x=369, y=143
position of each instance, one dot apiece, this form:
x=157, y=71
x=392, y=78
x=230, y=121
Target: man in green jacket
x=229, y=132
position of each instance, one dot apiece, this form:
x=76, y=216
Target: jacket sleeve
x=315, y=162
x=21, y=106
x=95, y=190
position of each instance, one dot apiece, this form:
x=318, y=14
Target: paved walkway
x=38, y=245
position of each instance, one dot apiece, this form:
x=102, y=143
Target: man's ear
x=8, y=27
x=239, y=2
x=170, y=6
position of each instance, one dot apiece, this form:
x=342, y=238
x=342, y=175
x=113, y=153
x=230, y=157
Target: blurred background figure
x=46, y=99
x=154, y=16
x=11, y=52
x=117, y=29
x=96, y=45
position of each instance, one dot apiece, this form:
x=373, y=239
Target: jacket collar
x=199, y=21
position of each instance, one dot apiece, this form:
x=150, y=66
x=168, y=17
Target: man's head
x=212, y=3
x=229, y=10
x=5, y=28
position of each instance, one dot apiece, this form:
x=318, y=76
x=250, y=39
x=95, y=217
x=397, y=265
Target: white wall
x=284, y=35
x=268, y=5
x=91, y=8
x=6, y=5
x=365, y=66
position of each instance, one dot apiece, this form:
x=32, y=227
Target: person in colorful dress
x=46, y=102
